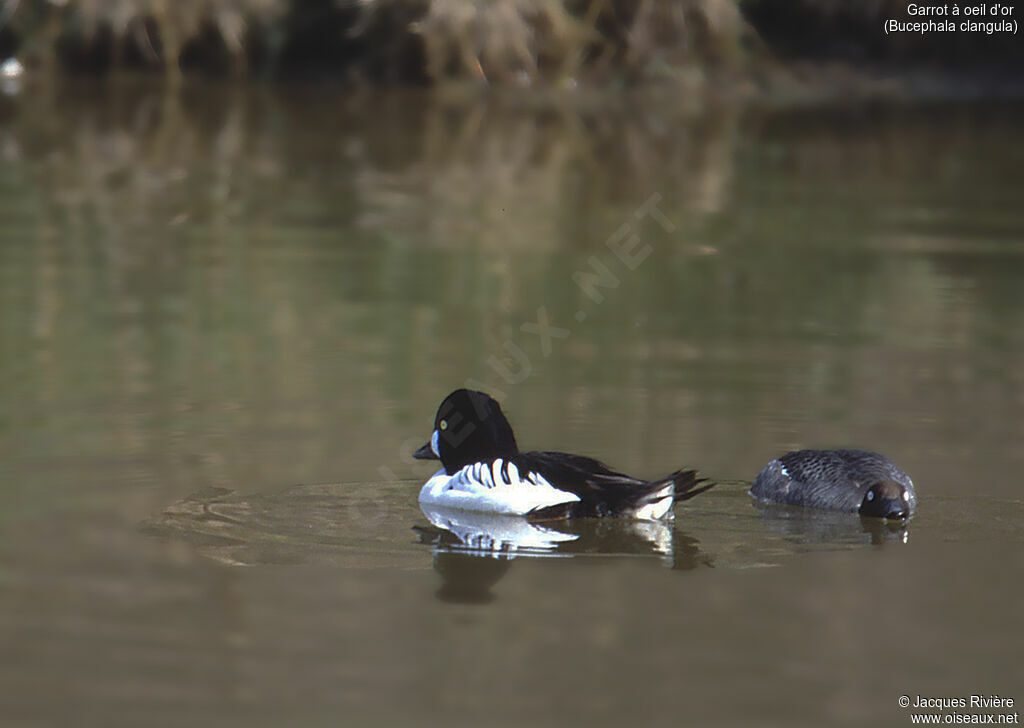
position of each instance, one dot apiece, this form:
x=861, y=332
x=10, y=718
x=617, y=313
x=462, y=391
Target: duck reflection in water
x=808, y=527
x=473, y=550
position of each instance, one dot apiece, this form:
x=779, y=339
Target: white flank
x=483, y=487
x=658, y=509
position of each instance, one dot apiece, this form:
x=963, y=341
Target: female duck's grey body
x=840, y=480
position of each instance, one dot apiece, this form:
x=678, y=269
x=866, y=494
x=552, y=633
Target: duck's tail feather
x=688, y=484
x=677, y=487
x=656, y=504
x=681, y=485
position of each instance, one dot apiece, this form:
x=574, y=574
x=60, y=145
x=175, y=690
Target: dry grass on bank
x=497, y=41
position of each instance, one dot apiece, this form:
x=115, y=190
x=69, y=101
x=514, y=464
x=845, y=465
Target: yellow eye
x=443, y=424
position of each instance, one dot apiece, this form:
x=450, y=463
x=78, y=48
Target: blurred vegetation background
x=207, y=283
x=515, y=42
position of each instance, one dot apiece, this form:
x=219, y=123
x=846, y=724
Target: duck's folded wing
x=810, y=479
x=820, y=480
x=840, y=495
x=576, y=473
x=601, y=490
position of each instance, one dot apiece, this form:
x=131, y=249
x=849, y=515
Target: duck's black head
x=887, y=499
x=469, y=428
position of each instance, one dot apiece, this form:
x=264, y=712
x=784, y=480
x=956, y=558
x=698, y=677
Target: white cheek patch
x=433, y=443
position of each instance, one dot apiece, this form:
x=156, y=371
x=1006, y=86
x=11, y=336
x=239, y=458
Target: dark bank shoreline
x=737, y=47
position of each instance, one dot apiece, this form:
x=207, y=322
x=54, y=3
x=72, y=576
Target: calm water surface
x=227, y=318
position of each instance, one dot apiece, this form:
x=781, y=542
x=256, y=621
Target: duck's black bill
x=425, y=453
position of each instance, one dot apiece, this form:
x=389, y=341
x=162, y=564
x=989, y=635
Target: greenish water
x=227, y=318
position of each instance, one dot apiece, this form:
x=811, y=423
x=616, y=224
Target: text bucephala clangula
x=839, y=480
x=485, y=471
